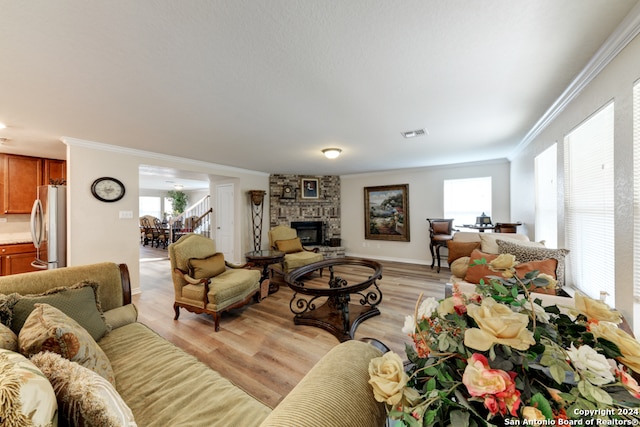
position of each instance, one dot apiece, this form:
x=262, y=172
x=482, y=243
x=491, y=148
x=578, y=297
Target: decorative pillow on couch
x=8, y=338
x=84, y=397
x=80, y=302
x=477, y=272
x=490, y=245
x=289, y=246
x=49, y=329
x=26, y=395
x=460, y=249
x=527, y=253
x=207, y=267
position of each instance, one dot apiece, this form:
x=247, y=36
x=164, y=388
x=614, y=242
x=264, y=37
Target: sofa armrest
x=335, y=392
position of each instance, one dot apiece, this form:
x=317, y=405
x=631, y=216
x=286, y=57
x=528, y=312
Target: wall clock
x=107, y=189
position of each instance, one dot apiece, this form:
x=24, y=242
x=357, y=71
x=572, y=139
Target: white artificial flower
x=591, y=365
x=541, y=315
x=409, y=325
x=427, y=308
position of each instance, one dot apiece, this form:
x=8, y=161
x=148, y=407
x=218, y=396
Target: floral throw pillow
x=26, y=394
x=86, y=399
x=49, y=329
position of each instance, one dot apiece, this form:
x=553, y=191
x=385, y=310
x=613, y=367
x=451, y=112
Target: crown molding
x=618, y=40
x=157, y=156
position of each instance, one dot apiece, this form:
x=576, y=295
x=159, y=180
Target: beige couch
x=464, y=243
x=164, y=386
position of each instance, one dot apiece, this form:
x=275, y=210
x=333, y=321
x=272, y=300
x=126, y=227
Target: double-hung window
x=465, y=199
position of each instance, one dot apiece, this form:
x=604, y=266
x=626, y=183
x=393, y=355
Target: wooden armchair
x=285, y=239
x=205, y=283
x=440, y=232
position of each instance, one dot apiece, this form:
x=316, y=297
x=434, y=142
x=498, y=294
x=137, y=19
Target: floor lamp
x=257, y=207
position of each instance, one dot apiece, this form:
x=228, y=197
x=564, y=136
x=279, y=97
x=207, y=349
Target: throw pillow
x=289, y=246
x=49, y=329
x=80, y=302
x=8, y=338
x=121, y=316
x=84, y=397
x=482, y=271
x=459, y=267
x=207, y=267
x=6, y=308
x=526, y=253
x=490, y=246
x=460, y=249
x=26, y=395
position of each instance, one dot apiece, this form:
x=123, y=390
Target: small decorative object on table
x=499, y=358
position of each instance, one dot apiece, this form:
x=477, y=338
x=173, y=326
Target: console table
x=337, y=314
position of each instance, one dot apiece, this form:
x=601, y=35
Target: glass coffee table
x=327, y=302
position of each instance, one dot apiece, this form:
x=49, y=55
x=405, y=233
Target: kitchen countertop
x=13, y=238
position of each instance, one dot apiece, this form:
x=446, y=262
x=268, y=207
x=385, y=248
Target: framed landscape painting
x=386, y=212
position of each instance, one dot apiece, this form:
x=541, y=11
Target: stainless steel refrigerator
x=49, y=227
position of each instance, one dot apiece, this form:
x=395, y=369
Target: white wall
x=614, y=82
x=425, y=201
x=95, y=232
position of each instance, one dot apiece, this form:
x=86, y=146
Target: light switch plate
x=126, y=214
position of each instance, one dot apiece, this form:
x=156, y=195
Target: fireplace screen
x=309, y=232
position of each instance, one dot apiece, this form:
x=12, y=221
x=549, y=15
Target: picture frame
x=310, y=188
x=386, y=213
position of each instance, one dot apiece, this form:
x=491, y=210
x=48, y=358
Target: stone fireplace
x=288, y=207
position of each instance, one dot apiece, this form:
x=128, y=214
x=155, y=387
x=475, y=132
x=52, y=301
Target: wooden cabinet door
x=54, y=170
x=22, y=176
x=18, y=263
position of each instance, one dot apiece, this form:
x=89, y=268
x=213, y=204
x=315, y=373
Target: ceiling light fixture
x=2, y=126
x=414, y=133
x=178, y=187
x=331, y=153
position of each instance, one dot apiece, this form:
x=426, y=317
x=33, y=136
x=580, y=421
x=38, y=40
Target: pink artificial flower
x=627, y=380
x=496, y=387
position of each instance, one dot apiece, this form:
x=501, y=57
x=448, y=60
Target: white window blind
x=466, y=199
x=149, y=205
x=589, y=205
x=636, y=198
x=546, y=181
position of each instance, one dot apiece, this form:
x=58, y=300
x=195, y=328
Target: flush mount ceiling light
x=2, y=126
x=414, y=133
x=331, y=153
x=178, y=187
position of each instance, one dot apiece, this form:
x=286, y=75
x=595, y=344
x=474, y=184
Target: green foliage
x=179, y=201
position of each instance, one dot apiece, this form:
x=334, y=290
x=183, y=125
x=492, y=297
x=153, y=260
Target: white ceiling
x=266, y=84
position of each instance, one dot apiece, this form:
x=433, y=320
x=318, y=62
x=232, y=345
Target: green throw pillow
x=79, y=302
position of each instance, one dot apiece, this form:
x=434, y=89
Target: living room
x=608, y=75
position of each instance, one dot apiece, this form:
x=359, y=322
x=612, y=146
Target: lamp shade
x=331, y=153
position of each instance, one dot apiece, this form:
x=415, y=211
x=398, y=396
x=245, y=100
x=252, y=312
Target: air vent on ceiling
x=414, y=133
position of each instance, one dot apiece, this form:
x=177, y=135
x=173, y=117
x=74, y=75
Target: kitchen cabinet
x=17, y=258
x=20, y=178
x=21, y=175
x=54, y=171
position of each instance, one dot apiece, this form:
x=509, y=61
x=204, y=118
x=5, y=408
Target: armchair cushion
x=299, y=259
x=289, y=246
x=207, y=267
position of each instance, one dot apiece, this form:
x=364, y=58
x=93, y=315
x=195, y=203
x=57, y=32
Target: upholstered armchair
x=285, y=239
x=205, y=283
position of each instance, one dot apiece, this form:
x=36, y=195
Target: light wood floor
x=258, y=347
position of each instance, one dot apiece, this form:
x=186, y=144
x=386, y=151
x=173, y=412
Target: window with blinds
x=589, y=204
x=546, y=176
x=636, y=198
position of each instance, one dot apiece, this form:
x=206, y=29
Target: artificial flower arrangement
x=499, y=357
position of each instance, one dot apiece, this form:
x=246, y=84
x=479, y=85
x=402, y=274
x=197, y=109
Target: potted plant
x=178, y=201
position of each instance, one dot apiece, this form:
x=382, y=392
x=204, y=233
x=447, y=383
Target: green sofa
x=164, y=386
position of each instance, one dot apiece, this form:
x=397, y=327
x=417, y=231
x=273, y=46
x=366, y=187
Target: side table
x=264, y=259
